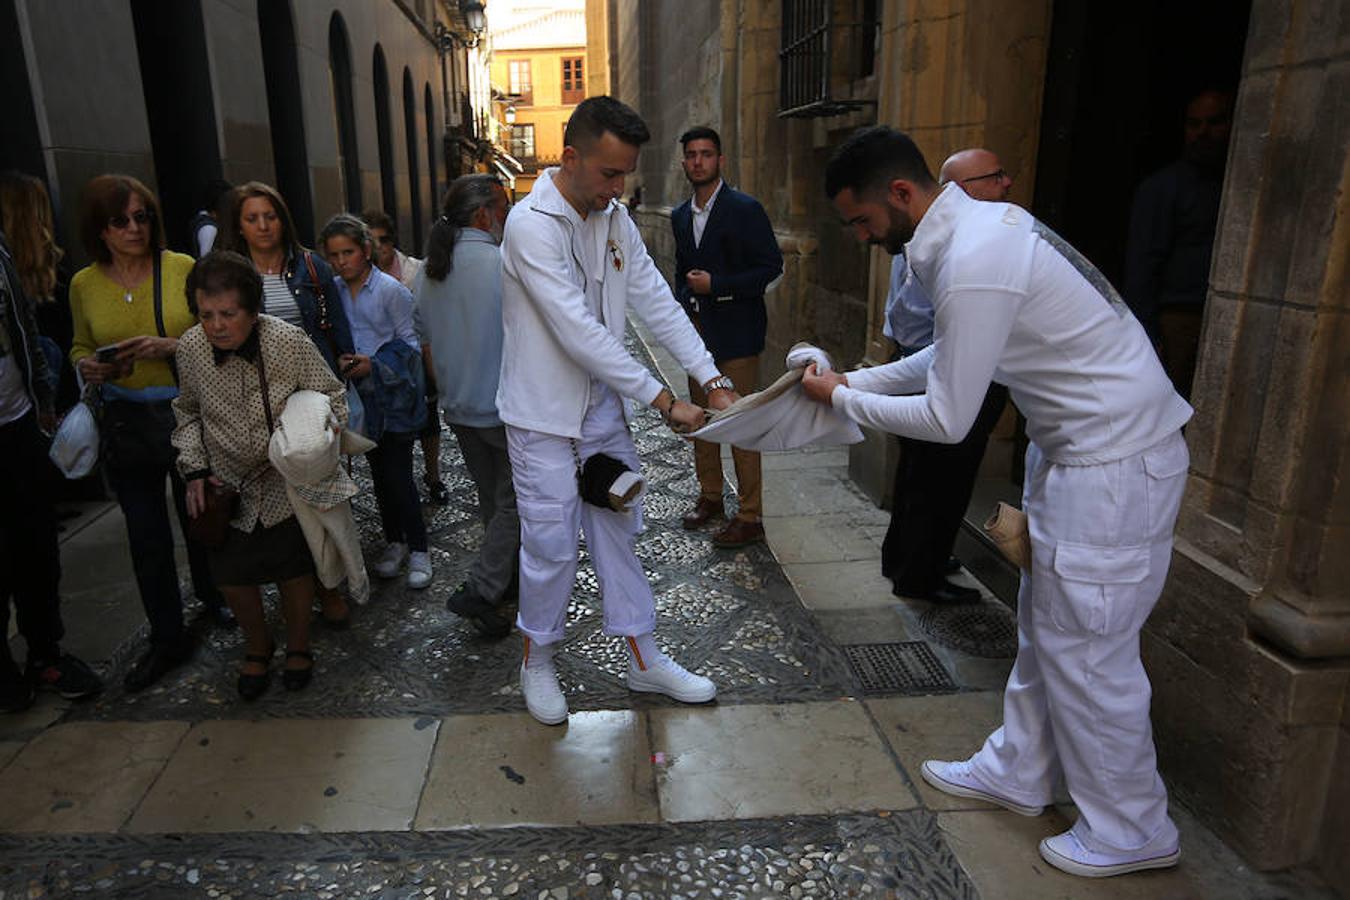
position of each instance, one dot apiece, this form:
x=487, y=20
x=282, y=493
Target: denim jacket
x=394, y=394
x=307, y=298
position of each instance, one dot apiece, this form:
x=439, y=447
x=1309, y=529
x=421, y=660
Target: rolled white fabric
x=780, y=417
x=803, y=354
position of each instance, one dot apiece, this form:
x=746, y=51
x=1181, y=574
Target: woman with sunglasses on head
x=297, y=288
x=128, y=309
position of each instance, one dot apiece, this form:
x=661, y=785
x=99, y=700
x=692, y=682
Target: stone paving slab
x=841, y=585
x=894, y=855
x=304, y=775
x=949, y=727
x=84, y=776
x=500, y=770
x=750, y=761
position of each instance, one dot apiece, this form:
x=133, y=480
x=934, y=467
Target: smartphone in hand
x=107, y=354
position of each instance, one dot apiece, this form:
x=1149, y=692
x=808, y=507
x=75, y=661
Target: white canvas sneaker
x=1066, y=853
x=391, y=560
x=955, y=778
x=419, y=569
x=543, y=696
x=664, y=675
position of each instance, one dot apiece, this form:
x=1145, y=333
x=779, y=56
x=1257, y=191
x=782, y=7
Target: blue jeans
x=391, y=469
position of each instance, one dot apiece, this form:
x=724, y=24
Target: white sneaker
x=543, y=696
x=419, y=569
x=1066, y=853
x=391, y=560
x=664, y=675
x=955, y=778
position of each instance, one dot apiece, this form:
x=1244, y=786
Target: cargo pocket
x=546, y=531
x=1096, y=588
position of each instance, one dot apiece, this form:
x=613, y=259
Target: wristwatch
x=720, y=383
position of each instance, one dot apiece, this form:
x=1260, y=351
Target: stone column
x=1250, y=646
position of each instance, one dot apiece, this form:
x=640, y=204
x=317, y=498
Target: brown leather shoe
x=739, y=533
x=336, y=613
x=704, y=511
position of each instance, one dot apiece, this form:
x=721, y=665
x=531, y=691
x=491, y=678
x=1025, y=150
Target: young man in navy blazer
x=726, y=254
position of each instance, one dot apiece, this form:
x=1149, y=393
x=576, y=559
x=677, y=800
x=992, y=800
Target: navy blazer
x=740, y=252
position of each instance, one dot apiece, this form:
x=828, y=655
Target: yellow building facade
x=539, y=73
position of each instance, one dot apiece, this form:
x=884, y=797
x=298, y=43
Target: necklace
x=116, y=277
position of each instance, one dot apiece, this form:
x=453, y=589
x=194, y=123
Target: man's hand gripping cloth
x=782, y=417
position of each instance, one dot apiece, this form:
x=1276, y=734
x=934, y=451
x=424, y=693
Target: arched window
x=285, y=112
x=340, y=68
x=414, y=170
x=179, y=106
x=383, y=139
x=431, y=150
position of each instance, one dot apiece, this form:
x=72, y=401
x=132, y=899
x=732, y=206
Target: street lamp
x=473, y=15
x=510, y=115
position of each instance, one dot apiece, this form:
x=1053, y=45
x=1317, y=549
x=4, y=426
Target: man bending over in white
x=1105, y=471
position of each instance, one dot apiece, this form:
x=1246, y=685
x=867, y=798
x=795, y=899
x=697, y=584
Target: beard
x=898, y=234
x=710, y=178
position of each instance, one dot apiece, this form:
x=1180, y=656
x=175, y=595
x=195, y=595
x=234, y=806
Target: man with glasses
x=1106, y=466
x=934, y=482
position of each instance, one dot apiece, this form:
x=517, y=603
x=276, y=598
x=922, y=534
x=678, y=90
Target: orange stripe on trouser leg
x=637, y=654
x=527, y=652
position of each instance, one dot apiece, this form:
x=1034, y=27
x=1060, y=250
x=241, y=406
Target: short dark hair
x=872, y=158
x=378, y=218
x=231, y=237
x=596, y=115
x=222, y=271
x=106, y=196
x=701, y=133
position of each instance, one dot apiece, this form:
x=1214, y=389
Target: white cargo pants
x=544, y=472
x=1077, y=700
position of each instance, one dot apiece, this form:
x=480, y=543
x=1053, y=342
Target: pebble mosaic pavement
x=731, y=615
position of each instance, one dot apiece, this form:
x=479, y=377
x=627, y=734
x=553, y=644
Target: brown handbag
x=211, y=526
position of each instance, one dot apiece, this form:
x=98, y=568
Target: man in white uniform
x=573, y=263
x=1105, y=471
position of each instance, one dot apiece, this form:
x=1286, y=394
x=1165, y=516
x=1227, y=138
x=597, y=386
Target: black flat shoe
x=296, y=679
x=252, y=686
x=946, y=592
x=485, y=616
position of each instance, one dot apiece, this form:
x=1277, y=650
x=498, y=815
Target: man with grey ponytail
x=458, y=315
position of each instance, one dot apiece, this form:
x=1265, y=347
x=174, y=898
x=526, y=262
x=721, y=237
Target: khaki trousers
x=744, y=373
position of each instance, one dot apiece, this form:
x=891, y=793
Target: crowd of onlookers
x=204, y=371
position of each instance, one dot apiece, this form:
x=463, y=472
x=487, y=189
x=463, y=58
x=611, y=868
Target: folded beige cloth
x=1007, y=528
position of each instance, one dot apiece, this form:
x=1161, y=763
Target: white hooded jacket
x=554, y=344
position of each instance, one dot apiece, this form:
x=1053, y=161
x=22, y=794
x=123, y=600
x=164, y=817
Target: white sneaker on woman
x=419, y=569
x=391, y=560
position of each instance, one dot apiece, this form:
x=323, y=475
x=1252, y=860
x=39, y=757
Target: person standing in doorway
x=933, y=482
x=726, y=255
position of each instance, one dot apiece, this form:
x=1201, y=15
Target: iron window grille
x=818, y=54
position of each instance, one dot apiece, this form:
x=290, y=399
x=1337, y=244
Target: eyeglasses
x=1000, y=174
x=140, y=217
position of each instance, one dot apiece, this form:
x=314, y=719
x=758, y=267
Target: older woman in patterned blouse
x=230, y=364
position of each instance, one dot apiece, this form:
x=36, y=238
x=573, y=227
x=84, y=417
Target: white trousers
x=544, y=472
x=1077, y=701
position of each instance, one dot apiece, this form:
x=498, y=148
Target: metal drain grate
x=908, y=667
x=986, y=630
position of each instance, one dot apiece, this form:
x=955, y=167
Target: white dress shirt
x=701, y=213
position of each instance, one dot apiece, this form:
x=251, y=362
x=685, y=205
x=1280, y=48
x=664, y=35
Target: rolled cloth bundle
x=1007, y=528
x=782, y=417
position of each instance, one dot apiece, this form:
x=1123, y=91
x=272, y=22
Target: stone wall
x=1250, y=646
x=90, y=101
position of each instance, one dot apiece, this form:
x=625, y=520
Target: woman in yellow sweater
x=128, y=309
